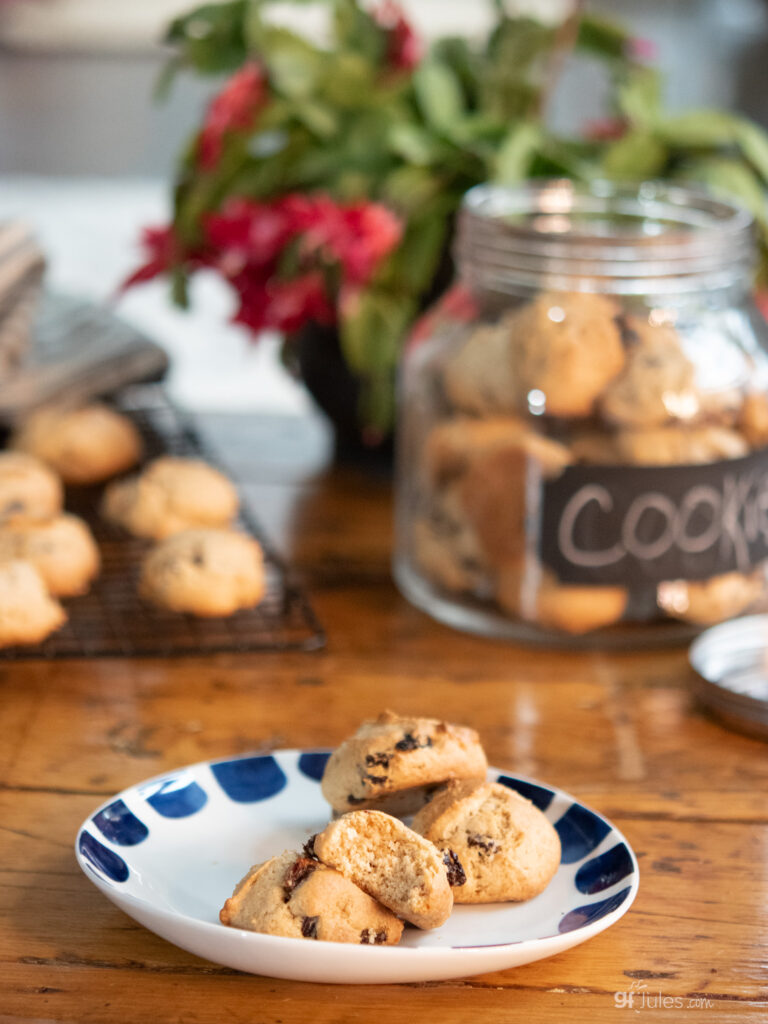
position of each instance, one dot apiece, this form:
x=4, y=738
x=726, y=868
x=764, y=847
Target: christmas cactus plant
x=323, y=181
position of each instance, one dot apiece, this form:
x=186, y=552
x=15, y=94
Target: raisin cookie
x=753, y=419
x=567, y=348
x=204, y=572
x=62, y=550
x=28, y=614
x=534, y=594
x=446, y=548
x=28, y=488
x=393, y=762
x=298, y=897
x=656, y=384
x=390, y=862
x=705, y=602
x=665, y=446
x=172, y=494
x=507, y=848
x=84, y=446
x=478, y=378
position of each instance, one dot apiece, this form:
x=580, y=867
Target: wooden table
x=618, y=730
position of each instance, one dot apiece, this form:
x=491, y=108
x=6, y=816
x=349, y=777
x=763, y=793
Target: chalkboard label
x=622, y=524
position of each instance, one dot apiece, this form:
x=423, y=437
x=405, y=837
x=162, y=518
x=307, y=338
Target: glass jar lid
x=561, y=235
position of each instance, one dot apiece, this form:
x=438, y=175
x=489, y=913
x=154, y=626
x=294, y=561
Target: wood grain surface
x=619, y=730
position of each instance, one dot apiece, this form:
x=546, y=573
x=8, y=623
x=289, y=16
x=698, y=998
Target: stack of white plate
x=732, y=665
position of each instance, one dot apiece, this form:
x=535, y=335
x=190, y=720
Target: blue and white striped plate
x=169, y=851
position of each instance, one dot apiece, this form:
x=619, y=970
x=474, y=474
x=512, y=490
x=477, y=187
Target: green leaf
x=699, y=129
x=516, y=153
x=414, y=144
x=410, y=269
x=357, y=31
x=602, y=37
x=293, y=65
x=730, y=178
x=439, y=95
x=372, y=330
x=210, y=38
x=408, y=189
x=318, y=117
x=639, y=96
x=753, y=142
x=637, y=155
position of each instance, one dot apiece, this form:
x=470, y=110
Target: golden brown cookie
x=85, y=445
x=508, y=850
x=664, y=446
x=170, y=495
x=208, y=573
x=445, y=547
x=705, y=602
x=478, y=377
x=61, y=549
x=28, y=488
x=567, y=348
x=298, y=897
x=393, y=761
x=390, y=862
x=656, y=384
x=753, y=419
x=28, y=614
x=535, y=595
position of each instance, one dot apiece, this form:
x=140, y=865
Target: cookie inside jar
x=584, y=446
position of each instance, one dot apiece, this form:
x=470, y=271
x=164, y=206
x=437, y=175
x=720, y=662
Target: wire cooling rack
x=111, y=619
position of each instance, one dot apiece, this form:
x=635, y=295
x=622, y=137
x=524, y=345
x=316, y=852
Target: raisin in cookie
x=390, y=862
x=705, y=602
x=62, y=550
x=534, y=594
x=170, y=495
x=204, y=572
x=84, y=446
x=656, y=384
x=392, y=763
x=28, y=488
x=28, y=614
x=298, y=897
x=566, y=347
x=478, y=377
x=507, y=848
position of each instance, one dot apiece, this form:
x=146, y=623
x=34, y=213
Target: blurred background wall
x=77, y=76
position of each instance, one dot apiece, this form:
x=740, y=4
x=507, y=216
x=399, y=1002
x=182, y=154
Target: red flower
x=162, y=250
x=404, y=48
x=283, y=305
x=605, y=129
x=234, y=109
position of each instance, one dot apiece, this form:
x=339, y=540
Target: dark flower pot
x=316, y=356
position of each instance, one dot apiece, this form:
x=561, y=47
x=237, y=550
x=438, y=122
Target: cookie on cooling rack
x=85, y=445
x=170, y=495
x=28, y=614
x=392, y=864
x=62, y=550
x=393, y=762
x=204, y=572
x=28, y=488
x=506, y=846
x=298, y=897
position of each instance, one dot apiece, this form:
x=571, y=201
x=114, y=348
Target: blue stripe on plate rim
x=610, y=906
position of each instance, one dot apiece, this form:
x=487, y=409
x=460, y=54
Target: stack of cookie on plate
x=567, y=379
x=367, y=872
x=200, y=564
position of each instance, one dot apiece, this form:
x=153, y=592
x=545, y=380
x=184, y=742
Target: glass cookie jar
x=583, y=440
